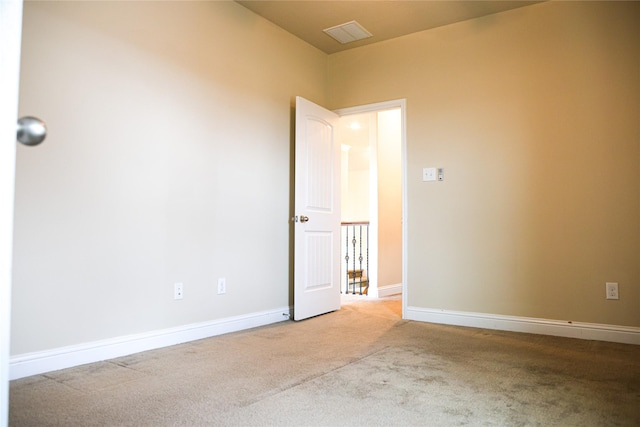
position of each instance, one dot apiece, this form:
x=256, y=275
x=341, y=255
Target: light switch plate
x=178, y=291
x=429, y=174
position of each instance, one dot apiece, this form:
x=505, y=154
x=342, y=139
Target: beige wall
x=535, y=116
x=389, y=197
x=170, y=129
x=355, y=197
x=168, y=160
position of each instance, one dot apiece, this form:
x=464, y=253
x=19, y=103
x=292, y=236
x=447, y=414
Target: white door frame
x=388, y=105
x=10, y=39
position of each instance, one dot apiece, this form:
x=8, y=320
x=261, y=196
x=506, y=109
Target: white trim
x=25, y=365
x=388, y=290
x=374, y=210
x=405, y=213
x=587, y=331
x=378, y=106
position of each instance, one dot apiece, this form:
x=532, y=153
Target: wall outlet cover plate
x=429, y=174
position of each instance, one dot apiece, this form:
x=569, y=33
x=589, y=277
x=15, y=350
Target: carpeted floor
x=360, y=366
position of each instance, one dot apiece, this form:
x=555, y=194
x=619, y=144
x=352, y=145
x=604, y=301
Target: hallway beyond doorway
x=372, y=198
x=388, y=307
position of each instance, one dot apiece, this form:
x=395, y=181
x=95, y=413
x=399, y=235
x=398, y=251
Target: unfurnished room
x=320, y=213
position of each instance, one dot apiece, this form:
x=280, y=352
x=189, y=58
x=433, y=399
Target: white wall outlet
x=429, y=174
x=222, y=286
x=612, y=290
x=178, y=290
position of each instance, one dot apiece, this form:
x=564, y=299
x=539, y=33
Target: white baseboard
x=388, y=290
x=25, y=365
x=587, y=331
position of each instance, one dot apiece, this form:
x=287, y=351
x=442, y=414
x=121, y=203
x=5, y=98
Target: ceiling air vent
x=348, y=32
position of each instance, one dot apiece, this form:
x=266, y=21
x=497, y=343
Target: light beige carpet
x=360, y=366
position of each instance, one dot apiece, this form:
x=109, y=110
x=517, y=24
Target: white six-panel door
x=317, y=211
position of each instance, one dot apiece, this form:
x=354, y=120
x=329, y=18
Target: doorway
x=317, y=243
x=372, y=186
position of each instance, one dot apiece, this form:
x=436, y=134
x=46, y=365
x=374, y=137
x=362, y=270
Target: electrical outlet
x=222, y=286
x=612, y=290
x=178, y=289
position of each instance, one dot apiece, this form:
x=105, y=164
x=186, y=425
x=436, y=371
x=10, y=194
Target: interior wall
x=150, y=169
x=389, y=197
x=167, y=160
x=533, y=114
x=355, y=196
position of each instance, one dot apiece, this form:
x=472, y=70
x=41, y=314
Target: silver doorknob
x=304, y=218
x=31, y=131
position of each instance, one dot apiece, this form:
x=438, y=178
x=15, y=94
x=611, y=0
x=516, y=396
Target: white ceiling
x=385, y=19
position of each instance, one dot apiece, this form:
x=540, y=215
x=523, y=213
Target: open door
x=317, y=211
x=10, y=35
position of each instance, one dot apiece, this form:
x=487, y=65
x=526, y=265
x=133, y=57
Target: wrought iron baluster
x=360, y=259
x=346, y=259
x=354, y=257
x=368, y=259
x=356, y=247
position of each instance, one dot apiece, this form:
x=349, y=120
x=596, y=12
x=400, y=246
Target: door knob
x=31, y=131
x=304, y=218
